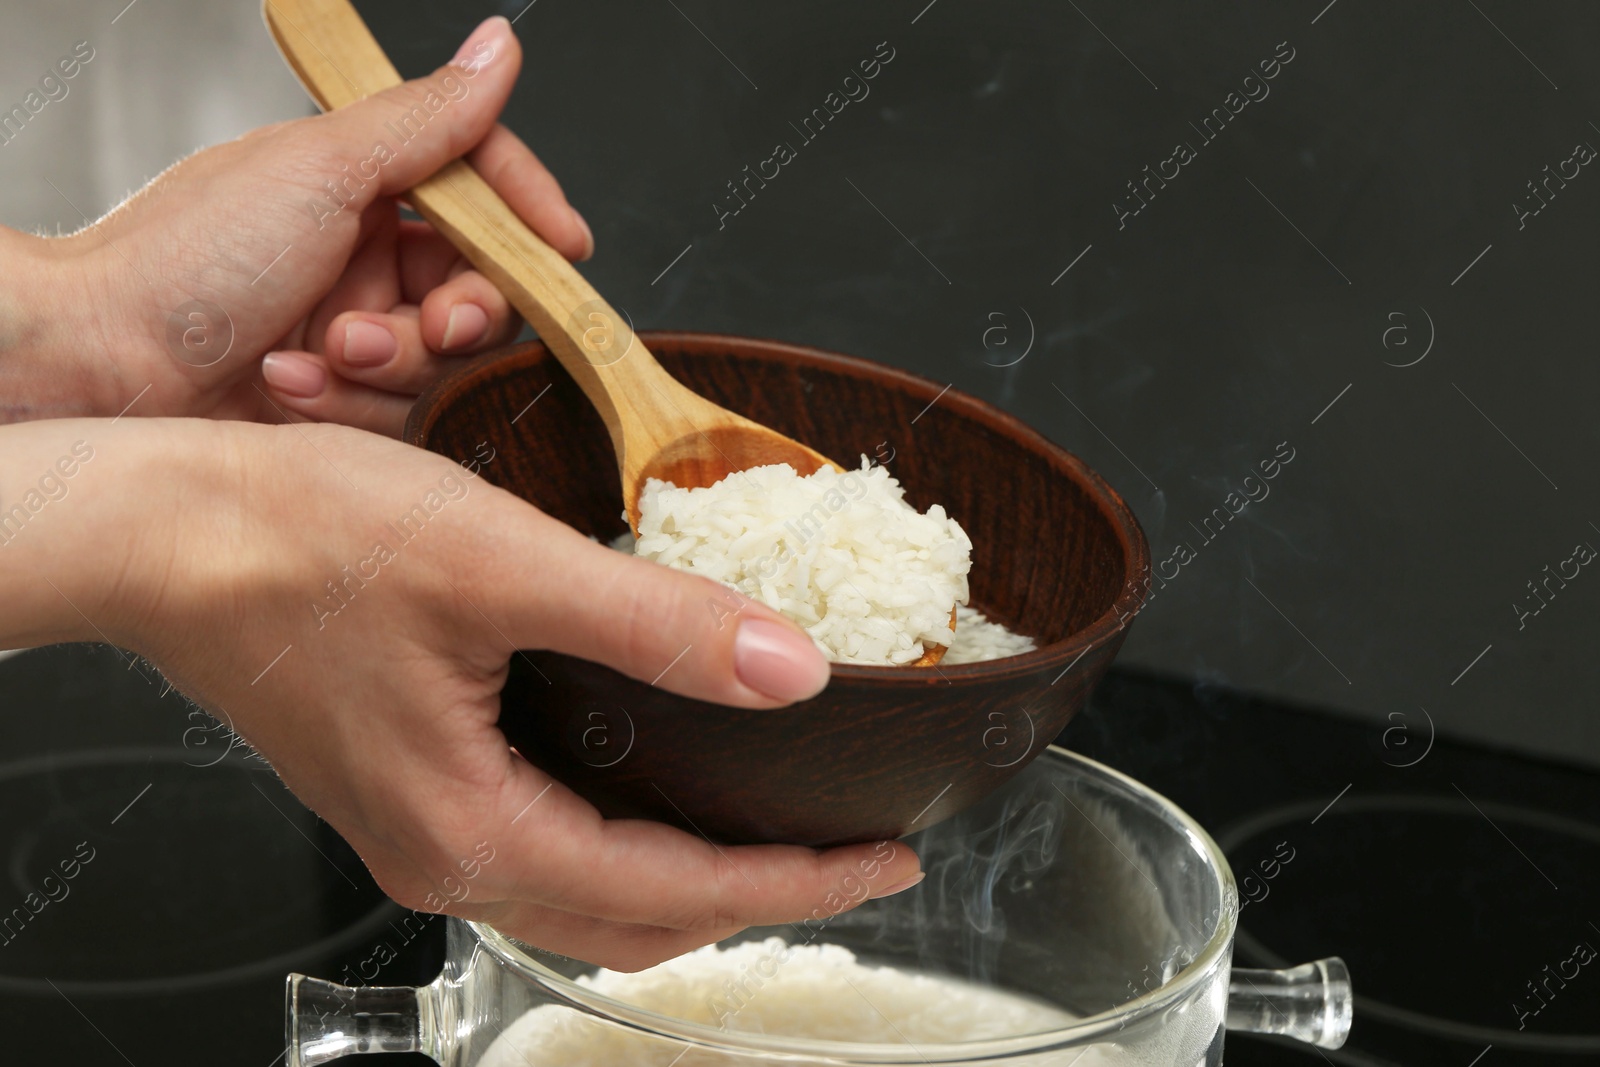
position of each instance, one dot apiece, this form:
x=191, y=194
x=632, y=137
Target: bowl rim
x=1215, y=953
x=1123, y=609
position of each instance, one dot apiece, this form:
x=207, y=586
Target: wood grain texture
x=882, y=751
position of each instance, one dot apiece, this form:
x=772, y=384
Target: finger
x=427, y=260
x=369, y=281
x=383, y=350
x=467, y=314
x=300, y=383
x=421, y=124
x=387, y=351
x=559, y=853
x=619, y=946
x=684, y=633
x=532, y=192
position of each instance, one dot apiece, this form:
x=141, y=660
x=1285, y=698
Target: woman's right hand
x=378, y=706
x=272, y=277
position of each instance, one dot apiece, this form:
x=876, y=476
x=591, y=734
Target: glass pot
x=1074, y=887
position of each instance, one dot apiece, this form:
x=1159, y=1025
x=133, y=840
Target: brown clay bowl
x=881, y=751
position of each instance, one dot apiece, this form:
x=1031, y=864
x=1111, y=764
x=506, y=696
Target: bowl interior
x=1053, y=545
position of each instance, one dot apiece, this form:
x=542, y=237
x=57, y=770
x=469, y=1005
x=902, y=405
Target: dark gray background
x=929, y=225
x=1181, y=350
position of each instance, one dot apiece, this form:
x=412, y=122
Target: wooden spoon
x=659, y=428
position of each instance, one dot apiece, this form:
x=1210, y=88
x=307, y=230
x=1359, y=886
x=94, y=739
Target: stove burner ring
x=1238, y=833
x=353, y=936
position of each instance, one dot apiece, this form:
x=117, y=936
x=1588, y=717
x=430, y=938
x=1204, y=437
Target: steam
x=1030, y=868
x=968, y=863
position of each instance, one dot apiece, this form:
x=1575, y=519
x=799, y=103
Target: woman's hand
x=272, y=277
x=351, y=605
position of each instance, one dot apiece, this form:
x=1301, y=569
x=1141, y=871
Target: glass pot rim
x=1183, y=985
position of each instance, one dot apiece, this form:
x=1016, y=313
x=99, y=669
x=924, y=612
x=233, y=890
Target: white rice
x=816, y=991
x=978, y=638
x=841, y=553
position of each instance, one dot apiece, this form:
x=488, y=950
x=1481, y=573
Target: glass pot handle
x=325, y=1020
x=1310, y=1002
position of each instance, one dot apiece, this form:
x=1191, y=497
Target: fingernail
x=471, y=53
x=778, y=660
x=588, y=235
x=901, y=887
x=466, y=326
x=294, y=374
x=366, y=344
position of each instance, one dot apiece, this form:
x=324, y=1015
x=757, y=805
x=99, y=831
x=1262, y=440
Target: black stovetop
x=1448, y=876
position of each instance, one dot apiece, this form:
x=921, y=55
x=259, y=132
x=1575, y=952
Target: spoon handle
x=339, y=62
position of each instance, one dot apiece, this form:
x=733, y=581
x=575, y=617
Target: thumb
x=687, y=634
x=392, y=140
